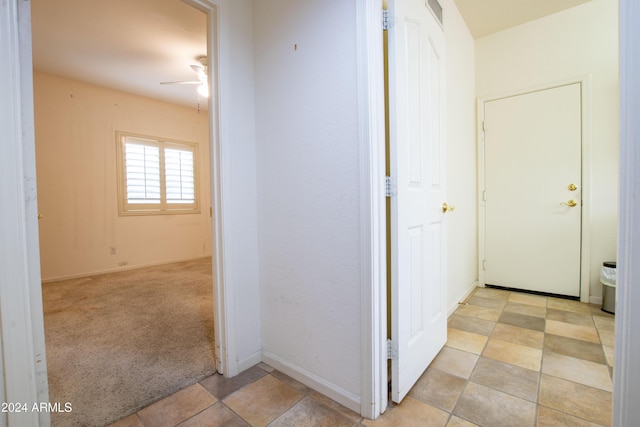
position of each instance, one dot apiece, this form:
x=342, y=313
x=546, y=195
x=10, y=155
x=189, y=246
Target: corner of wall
x=317, y=383
x=465, y=293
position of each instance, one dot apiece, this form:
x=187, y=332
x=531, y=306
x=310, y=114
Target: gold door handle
x=447, y=208
x=572, y=187
x=571, y=203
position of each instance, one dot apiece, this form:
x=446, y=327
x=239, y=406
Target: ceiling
x=127, y=45
x=133, y=45
x=484, y=17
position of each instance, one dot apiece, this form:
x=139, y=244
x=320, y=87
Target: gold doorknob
x=571, y=203
x=572, y=187
x=39, y=216
x=447, y=208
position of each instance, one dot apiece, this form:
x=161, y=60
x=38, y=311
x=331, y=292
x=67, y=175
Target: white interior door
x=416, y=117
x=532, y=164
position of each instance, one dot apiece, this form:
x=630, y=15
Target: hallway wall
x=462, y=224
x=308, y=189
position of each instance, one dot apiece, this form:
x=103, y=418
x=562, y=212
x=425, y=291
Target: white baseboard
x=117, y=269
x=338, y=394
x=462, y=298
x=250, y=361
x=595, y=300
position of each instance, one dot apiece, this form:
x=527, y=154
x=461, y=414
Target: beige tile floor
x=511, y=359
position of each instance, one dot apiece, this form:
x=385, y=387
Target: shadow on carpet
x=118, y=342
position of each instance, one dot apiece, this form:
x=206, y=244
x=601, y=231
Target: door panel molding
x=585, y=84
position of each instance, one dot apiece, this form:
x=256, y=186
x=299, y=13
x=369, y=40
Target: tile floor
x=511, y=359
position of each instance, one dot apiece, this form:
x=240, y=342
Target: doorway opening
x=84, y=226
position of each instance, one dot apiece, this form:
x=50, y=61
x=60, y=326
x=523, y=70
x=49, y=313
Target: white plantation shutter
x=179, y=175
x=156, y=176
x=142, y=173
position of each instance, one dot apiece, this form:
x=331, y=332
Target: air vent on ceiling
x=436, y=8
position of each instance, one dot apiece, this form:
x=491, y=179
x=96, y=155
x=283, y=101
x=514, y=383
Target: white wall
x=579, y=41
x=239, y=225
x=308, y=190
x=76, y=171
x=462, y=228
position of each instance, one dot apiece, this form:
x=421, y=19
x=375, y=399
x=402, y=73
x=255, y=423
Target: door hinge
x=484, y=195
x=484, y=264
x=484, y=126
x=390, y=188
x=392, y=350
x=387, y=19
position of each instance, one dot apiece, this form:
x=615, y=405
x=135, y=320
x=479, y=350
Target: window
x=156, y=176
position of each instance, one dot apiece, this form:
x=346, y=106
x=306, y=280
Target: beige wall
x=309, y=220
x=579, y=41
x=76, y=173
x=462, y=224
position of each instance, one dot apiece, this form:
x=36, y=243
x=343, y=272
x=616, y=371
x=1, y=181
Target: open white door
x=416, y=117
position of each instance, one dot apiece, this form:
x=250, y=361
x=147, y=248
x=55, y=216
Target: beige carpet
x=118, y=342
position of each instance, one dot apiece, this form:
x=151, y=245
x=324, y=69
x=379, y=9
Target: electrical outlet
x=112, y=250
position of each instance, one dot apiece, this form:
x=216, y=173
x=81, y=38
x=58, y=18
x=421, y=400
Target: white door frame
x=373, y=232
x=23, y=361
x=584, y=82
x=218, y=47
x=626, y=381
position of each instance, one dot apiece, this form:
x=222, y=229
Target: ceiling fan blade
x=200, y=70
x=194, y=82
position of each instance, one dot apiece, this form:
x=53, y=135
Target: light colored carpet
x=117, y=342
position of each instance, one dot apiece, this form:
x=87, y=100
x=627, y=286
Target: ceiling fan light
x=203, y=89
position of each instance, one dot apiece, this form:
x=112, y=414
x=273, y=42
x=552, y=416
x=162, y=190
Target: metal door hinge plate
x=392, y=350
x=390, y=188
x=387, y=19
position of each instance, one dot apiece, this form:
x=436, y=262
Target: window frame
x=162, y=207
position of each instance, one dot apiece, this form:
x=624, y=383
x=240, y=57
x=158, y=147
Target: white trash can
x=608, y=280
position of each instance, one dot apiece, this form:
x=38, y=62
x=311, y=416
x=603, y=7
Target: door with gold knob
x=533, y=191
x=416, y=147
